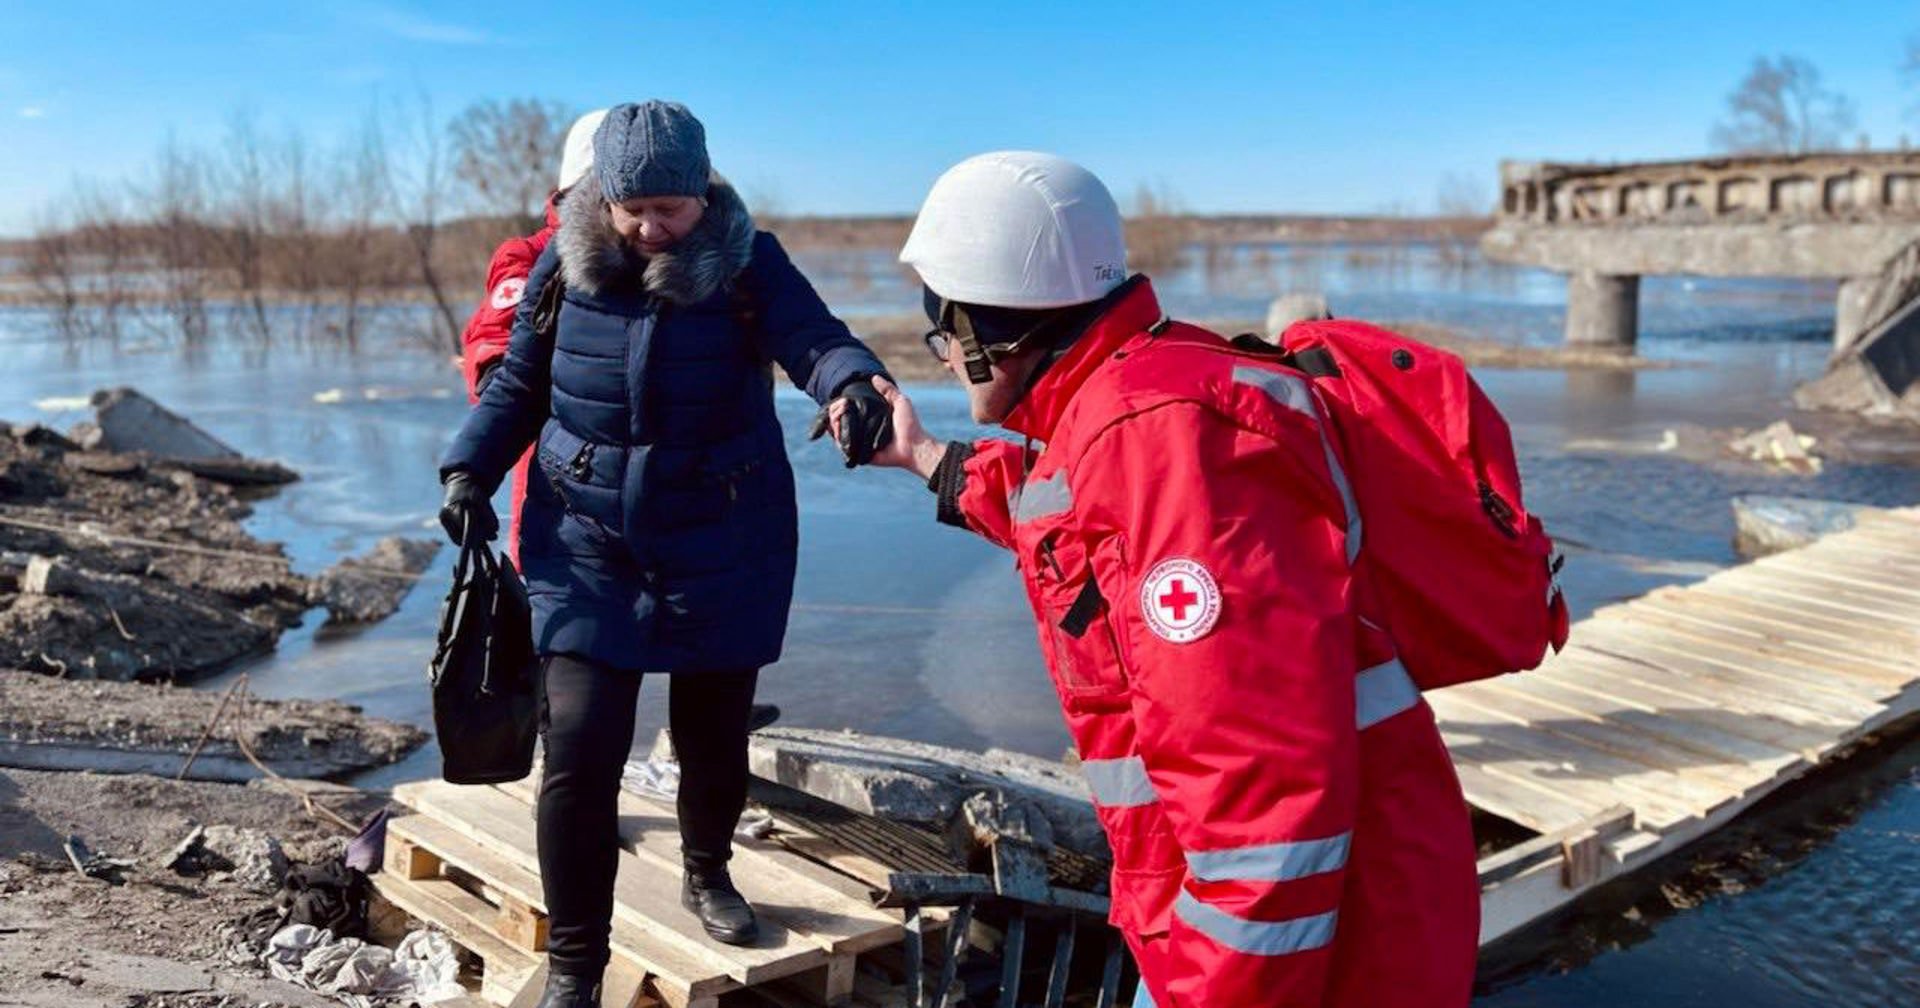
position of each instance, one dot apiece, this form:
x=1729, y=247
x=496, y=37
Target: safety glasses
x=939, y=343
x=944, y=336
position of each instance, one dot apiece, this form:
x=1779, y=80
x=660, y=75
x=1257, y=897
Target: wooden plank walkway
x=1670, y=714
x=1665, y=717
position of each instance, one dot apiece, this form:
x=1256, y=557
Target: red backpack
x=1469, y=578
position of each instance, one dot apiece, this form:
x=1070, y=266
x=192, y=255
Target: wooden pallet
x=1670, y=714
x=465, y=862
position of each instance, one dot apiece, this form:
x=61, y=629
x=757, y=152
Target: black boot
x=570, y=990
x=761, y=715
x=720, y=907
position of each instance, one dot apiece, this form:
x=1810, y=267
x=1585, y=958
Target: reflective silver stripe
x=1287, y=390
x=1274, y=862
x=1383, y=691
x=1049, y=496
x=1292, y=392
x=1267, y=938
x=1119, y=783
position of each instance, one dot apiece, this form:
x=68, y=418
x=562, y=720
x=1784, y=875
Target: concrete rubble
x=1765, y=524
x=1875, y=369
x=368, y=588
x=1779, y=445
x=129, y=564
x=917, y=782
x=127, y=422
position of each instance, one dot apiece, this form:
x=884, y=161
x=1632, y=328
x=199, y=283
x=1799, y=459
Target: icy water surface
x=907, y=628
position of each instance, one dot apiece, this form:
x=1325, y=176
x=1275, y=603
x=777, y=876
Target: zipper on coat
x=581, y=468
x=1046, y=553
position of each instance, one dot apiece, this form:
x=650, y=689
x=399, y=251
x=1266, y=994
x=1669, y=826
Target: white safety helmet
x=1018, y=229
x=576, y=155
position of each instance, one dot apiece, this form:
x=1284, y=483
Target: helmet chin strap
x=1049, y=340
x=955, y=321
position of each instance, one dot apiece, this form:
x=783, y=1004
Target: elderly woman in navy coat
x=659, y=527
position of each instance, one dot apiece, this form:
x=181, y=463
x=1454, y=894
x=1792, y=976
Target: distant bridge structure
x=1837, y=216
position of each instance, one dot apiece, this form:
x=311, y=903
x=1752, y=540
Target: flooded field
x=907, y=628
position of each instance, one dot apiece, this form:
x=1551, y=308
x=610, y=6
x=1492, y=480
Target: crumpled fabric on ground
x=423, y=971
x=428, y=959
x=659, y=779
x=652, y=778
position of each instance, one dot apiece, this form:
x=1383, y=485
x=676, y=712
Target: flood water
x=903, y=627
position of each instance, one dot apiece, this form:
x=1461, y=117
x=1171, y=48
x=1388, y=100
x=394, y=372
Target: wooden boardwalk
x=1665, y=717
x=1670, y=714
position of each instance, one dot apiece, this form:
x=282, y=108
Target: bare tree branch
x=1781, y=107
x=417, y=187
x=507, y=154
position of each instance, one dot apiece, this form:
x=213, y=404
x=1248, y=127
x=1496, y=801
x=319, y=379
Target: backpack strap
x=546, y=313
x=1316, y=362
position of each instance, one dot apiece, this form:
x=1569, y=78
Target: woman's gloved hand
x=466, y=513
x=861, y=420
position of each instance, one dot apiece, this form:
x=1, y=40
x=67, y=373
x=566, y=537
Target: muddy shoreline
x=127, y=565
x=160, y=938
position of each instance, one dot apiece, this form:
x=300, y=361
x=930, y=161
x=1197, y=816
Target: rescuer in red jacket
x=484, y=342
x=1286, y=825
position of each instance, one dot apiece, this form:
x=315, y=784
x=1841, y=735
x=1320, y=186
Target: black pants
x=588, y=717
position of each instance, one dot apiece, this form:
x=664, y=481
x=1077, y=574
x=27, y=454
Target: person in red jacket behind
x=484, y=341
x=1285, y=821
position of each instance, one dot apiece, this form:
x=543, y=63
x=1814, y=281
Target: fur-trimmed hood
x=594, y=260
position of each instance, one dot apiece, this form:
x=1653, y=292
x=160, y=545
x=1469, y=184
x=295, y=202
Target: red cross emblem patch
x=509, y=292
x=1180, y=600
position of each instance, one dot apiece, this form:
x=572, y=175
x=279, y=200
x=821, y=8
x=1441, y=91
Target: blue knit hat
x=651, y=148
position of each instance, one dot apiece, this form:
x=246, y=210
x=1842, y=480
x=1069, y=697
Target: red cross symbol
x=1178, y=598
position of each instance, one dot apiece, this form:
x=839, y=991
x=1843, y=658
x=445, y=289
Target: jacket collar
x=595, y=261
x=1039, y=412
x=553, y=210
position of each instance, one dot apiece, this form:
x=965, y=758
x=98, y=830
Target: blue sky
x=856, y=107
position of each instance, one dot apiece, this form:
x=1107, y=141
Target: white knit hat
x=576, y=157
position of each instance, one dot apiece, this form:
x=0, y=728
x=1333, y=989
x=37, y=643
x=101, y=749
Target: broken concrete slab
x=918, y=782
x=1765, y=524
x=127, y=421
x=369, y=587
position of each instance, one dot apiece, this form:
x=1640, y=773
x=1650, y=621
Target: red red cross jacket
x=484, y=342
x=1286, y=825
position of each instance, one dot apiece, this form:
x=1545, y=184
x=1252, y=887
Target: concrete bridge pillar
x=1603, y=310
x=1850, y=312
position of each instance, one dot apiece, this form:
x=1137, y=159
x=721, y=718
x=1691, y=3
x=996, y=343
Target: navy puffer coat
x=659, y=531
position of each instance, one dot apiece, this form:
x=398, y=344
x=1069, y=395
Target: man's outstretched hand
x=911, y=447
x=860, y=422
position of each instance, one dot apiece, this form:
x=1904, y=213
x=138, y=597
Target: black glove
x=467, y=514
x=865, y=427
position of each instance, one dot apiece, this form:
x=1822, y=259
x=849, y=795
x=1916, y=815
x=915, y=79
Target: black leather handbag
x=486, y=707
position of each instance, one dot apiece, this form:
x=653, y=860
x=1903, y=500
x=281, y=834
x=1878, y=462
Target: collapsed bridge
x=1841, y=216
